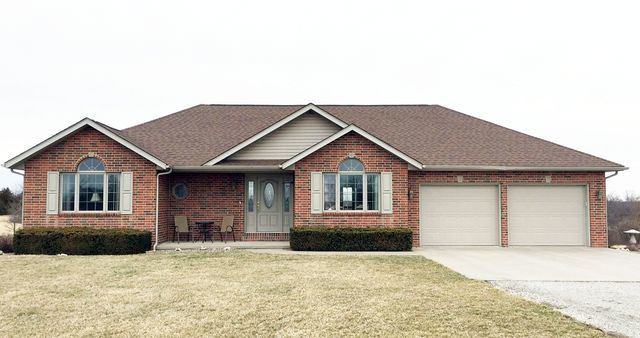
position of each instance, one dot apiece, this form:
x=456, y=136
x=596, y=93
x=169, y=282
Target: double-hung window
x=90, y=189
x=351, y=188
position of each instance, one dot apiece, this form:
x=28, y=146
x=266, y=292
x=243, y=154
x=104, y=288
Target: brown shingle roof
x=431, y=134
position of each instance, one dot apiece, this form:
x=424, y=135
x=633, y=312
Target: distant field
x=6, y=227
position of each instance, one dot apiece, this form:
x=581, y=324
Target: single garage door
x=547, y=215
x=459, y=215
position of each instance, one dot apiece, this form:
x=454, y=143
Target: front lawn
x=246, y=294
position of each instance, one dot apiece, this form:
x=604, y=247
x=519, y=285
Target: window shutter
x=316, y=193
x=387, y=192
x=126, y=193
x=53, y=181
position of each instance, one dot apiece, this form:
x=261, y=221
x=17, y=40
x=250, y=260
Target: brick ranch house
x=451, y=178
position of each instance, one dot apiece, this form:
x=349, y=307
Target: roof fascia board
x=274, y=127
x=69, y=130
x=508, y=168
x=343, y=132
x=228, y=168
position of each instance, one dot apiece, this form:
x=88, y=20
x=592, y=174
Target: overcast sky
x=568, y=73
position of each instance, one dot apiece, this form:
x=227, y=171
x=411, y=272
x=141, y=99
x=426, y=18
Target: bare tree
x=15, y=209
x=623, y=214
x=630, y=196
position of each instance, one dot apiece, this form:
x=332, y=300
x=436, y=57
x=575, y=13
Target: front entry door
x=269, y=203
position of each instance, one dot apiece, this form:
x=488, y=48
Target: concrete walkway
x=538, y=263
x=217, y=245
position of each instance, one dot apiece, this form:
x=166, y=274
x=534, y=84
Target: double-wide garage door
x=469, y=215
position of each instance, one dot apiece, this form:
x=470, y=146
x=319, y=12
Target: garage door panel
x=542, y=239
x=547, y=215
x=469, y=207
x=459, y=215
x=555, y=206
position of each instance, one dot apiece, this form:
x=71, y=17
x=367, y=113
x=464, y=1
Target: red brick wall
x=211, y=196
x=327, y=159
x=64, y=157
x=405, y=210
x=595, y=181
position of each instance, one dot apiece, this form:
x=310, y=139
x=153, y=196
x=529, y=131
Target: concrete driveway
x=600, y=287
x=577, y=264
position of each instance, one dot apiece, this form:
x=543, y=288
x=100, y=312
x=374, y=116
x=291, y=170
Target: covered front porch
x=258, y=205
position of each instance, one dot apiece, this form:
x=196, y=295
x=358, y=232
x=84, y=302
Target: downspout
x=608, y=177
x=155, y=245
x=21, y=203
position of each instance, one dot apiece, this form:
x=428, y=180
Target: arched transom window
x=351, y=188
x=90, y=188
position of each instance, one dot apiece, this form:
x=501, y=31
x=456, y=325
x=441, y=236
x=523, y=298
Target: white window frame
x=76, y=192
x=337, y=192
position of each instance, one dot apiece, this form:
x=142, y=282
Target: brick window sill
x=89, y=214
x=350, y=213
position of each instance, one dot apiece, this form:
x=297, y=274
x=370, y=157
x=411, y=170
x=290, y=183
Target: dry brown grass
x=248, y=294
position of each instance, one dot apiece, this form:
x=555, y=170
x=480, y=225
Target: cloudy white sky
x=564, y=71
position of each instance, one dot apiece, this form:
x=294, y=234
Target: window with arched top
x=90, y=188
x=351, y=188
x=351, y=165
x=91, y=164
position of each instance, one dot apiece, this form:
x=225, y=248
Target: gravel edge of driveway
x=613, y=307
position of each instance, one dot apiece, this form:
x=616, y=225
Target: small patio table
x=205, y=228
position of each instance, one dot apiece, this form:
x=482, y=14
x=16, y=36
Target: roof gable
x=361, y=132
x=304, y=110
x=112, y=133
x=290, y=139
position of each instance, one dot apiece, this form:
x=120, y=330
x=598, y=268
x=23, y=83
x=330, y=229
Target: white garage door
x=547, y=215
x=459, y=215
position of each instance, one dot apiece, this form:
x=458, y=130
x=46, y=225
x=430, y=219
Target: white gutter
x=505, y=168
x=155, y=245
x=608, y=177
x=227, y=168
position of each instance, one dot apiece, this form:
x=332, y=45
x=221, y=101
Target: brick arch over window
x=351, y=164
x=91, y=164
x=98, y=157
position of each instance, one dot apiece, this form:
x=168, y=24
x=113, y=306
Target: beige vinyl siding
x=290, y=139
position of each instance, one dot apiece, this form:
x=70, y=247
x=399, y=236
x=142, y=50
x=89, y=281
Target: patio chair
x=182, y=227
x=226, y=227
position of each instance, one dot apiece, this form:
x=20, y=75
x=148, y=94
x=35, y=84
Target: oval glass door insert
x=269, y=195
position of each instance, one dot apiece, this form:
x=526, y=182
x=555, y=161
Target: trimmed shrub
x=81, y=241
x=350, y=239
x=6, y=243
